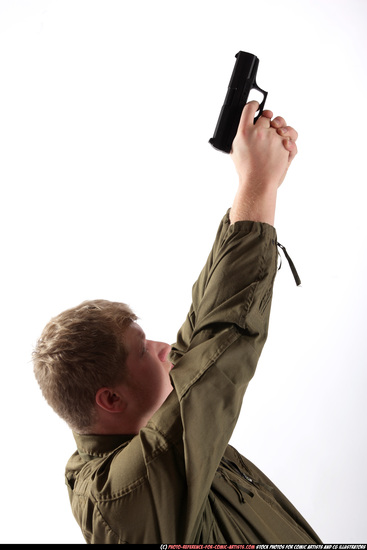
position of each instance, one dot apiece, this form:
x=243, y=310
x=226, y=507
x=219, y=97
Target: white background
x=109, y=189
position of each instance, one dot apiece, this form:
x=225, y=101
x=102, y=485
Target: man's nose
x=162, y=350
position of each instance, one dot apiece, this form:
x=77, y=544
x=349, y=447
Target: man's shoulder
x=110, y=494
x=108, y=474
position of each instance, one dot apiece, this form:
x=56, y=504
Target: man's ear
x=110, y=400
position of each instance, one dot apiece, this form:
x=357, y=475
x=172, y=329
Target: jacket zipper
x=238, y=487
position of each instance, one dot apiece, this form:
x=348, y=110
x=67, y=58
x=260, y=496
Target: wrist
x=254, y=203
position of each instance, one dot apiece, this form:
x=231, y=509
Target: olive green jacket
x=178, y=480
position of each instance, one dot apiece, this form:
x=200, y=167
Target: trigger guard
x=262, y=104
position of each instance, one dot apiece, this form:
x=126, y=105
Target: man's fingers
x=278, y=122
x=248, y=114
x=291, y=147
x=288, y=131
x=267, y=113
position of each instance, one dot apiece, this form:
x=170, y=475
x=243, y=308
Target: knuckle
x=279, y=121
x=292, y=131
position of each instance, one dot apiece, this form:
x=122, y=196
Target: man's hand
x=262, y=154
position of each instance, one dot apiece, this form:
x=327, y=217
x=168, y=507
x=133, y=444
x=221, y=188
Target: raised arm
x=262, y=154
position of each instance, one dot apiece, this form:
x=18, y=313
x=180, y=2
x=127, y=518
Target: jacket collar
x=97, y=446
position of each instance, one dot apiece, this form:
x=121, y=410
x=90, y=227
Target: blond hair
x=80, y=351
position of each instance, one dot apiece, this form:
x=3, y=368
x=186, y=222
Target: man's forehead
x=137, y=329
x=133, y=337
x=135, y=332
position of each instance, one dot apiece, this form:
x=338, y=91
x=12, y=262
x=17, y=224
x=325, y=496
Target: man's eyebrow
x=142, y=339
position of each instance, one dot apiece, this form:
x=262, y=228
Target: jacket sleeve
x=217, y=352
x=184, y=335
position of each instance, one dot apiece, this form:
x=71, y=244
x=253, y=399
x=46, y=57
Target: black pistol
x=243, y=80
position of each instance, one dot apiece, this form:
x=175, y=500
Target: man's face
x=148, y=368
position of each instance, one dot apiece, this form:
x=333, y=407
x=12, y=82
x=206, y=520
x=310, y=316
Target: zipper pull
x=291, y=264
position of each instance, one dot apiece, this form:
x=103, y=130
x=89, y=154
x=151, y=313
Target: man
x=151, y=423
